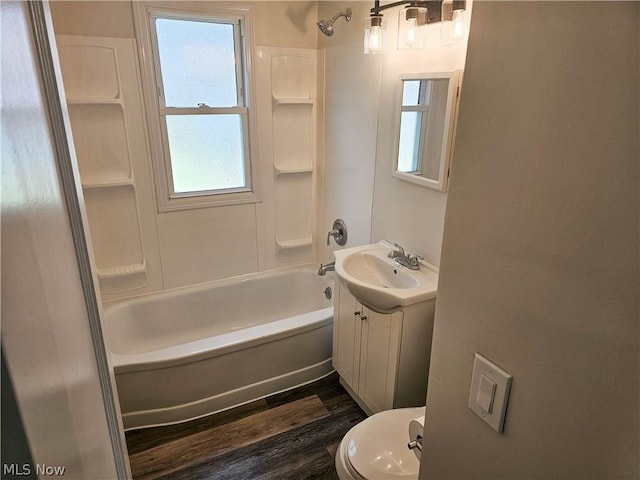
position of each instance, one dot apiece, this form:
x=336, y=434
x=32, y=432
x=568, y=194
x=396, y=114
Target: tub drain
x=328, y=293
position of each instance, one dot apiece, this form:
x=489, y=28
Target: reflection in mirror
x=425, y=131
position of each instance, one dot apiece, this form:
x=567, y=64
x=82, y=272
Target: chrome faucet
x=327, y=267
x=409, y=260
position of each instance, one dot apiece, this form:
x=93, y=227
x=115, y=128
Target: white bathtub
x=193, y=351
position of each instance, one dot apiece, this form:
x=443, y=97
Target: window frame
x=145, y=15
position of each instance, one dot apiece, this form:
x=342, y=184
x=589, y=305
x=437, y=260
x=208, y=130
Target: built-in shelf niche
x=293, y=94
x=292, y=136
x=293, y=205
x=91, y=73
x=114, y=225
x=293, y=76
x=100, y=139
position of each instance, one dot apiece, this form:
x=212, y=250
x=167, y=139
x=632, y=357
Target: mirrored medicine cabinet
x=427, y=104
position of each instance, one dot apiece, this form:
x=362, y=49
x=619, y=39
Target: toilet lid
x=377, y=447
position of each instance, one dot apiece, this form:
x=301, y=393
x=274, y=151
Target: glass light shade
x=375, y=34
x=412, y=22
x=459, y=25
x=446, y=25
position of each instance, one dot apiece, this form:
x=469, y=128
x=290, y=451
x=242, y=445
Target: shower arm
x=346, y=14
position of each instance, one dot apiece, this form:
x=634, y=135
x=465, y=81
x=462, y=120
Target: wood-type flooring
x=291, y=435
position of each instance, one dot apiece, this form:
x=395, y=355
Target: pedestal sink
x=381, y=283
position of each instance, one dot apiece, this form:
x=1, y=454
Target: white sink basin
x=379, y=282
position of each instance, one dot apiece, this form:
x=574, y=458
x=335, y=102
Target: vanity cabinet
x=382, y=358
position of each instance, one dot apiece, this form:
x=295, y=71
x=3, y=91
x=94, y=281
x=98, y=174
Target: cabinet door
x=346, y=330
x=379, y=358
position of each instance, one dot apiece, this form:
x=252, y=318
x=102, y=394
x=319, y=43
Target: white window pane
x=207, y=152
x=198, y=63
x=409, y=147
x=411, y=92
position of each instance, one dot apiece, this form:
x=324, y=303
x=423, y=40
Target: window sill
x=206, y=201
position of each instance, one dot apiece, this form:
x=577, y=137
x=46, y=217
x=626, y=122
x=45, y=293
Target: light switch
x=490, y=386
x=486, y=393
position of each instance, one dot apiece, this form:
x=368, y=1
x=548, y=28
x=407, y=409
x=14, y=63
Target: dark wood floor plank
x=296, y=454
x=145, y=438
x=209, y=444
x=284, y=457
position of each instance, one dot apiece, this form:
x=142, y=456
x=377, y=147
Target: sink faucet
x=327, y=267
x=409, y=260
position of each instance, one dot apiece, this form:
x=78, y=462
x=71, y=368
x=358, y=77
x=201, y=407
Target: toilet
x=376, y=448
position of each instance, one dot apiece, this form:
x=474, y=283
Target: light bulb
x=375, y=34
x=410, y=38
x=375, y=39
x=411, y=27
x=458, y=25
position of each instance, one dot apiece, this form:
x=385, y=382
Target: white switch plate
x=478, y=401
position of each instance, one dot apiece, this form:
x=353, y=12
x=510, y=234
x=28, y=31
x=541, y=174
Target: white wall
x=351, y=87
x=409, y=214
x=540, y=259
x=45, y=329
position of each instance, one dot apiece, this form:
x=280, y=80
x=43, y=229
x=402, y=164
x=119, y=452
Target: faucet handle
x=338, y=232
x=332, y=233
x=400, y=249
x=414, y=258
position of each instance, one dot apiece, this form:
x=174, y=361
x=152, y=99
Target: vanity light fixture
x=412, y=20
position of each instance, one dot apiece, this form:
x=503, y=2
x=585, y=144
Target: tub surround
x=189, y=247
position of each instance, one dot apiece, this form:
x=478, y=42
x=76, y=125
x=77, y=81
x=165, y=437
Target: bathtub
x=194, y=351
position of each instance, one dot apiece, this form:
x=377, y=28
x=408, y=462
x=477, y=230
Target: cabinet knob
x=363, y=318
x=356, y=313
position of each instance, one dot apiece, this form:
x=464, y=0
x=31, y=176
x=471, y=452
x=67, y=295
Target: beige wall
x=93, y=18
x=277, y=24
x=540, y=262
x=285, y=24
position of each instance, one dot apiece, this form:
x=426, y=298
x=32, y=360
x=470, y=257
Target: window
x=414, y=104
x=426, y=120
x=196, y=70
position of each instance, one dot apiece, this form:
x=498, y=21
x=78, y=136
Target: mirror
x=425, y=123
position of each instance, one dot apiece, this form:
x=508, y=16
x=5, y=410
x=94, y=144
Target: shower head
x=326, y=26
